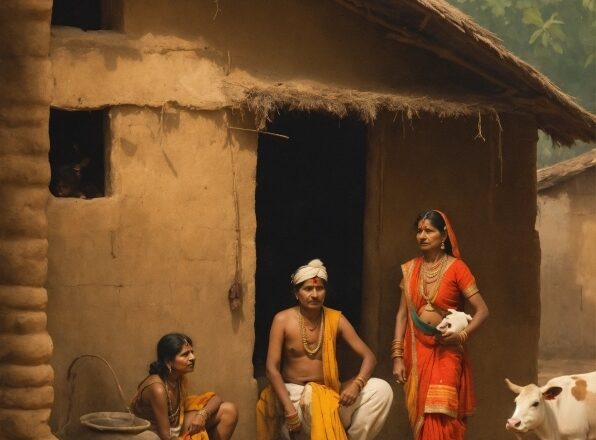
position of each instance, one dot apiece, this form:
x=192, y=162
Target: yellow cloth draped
x=267, y=420
x=195, y=403
x=324, y=409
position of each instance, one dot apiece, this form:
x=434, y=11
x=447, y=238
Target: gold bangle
x=463, y=336
x=293, y=422
x=205, y=413
x=360, y=381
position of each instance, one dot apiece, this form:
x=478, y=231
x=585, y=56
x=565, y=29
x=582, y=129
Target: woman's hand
x=198, y=421
x=399, y=370
x=449, y=338
x=349, y=394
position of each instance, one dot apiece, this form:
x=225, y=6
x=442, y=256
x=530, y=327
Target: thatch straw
x=436, y=26
x=265, y=102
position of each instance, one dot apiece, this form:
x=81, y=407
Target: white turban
x=314, y=268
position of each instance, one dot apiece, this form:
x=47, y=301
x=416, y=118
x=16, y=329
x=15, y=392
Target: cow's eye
x=535, y=404
x=449, y=325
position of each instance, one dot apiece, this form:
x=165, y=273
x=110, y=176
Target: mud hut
x=198, y=146
x=566, y=224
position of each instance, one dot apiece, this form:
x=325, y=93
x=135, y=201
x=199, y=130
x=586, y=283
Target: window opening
x=77, y=153
x=84, y=14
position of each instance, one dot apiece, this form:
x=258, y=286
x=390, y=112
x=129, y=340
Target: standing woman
x=434, y=367
x=162, y=399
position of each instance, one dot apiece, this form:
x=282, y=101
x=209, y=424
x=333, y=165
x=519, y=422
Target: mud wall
x=196, y=55
x=567, y=227
x=157, y=255
x=445, y=164
x=26, y=392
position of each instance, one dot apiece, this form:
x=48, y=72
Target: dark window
x=77, y=153
x=84, y=14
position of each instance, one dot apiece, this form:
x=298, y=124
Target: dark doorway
x=309, y=204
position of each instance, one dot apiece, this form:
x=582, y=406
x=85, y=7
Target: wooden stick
x=260, y=132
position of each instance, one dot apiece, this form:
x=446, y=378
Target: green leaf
x=533, y=16
x=557, y=48
x=552, y=21
x=557, y=33
x=589, y=61
x=535, y=35
x=544, y=39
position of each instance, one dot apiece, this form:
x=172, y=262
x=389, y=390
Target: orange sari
x=439, y=394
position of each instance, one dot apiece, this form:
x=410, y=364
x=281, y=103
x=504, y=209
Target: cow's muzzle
x=513, y=424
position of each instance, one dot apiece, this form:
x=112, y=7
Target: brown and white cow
x=563, y=409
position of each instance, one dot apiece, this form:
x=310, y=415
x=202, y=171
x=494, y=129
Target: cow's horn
x=513, y=387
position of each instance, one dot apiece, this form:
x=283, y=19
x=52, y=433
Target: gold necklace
x=432, y=270
x=173, y=416
x=315, y=350
x=423, y=280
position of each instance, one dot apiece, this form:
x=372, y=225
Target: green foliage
x=558, y=37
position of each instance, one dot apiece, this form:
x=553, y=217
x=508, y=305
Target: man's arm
x=273, y=364
x=369, y=361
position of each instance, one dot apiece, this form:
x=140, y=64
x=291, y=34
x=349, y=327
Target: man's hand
x=293, y=423
x=349, y=394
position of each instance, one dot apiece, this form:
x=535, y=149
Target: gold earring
x=443, y=245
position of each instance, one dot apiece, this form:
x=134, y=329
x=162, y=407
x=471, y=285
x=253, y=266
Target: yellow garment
x=195, y=403
x=325, y=421
x=267, y=420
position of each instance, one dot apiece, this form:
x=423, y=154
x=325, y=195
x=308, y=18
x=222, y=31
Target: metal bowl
x=115, y=422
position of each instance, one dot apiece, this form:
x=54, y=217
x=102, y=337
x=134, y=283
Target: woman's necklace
x=429, y=277
x=173, y=416
x=315, y=350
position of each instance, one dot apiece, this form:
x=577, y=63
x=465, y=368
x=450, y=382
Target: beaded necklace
x=315, y=350
x=430, y=276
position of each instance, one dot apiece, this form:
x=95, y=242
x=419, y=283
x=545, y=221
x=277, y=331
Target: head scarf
x=314, y=268
x=450, y=234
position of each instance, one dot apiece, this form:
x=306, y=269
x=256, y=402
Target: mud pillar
x=26, y=391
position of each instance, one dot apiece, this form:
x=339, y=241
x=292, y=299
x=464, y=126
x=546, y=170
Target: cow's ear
x=552, y=392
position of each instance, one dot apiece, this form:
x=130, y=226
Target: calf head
x=530, y=411
x=454, y=322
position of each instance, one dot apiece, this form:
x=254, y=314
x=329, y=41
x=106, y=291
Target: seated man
x=303, y=374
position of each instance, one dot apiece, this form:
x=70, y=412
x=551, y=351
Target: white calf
x=563, y=409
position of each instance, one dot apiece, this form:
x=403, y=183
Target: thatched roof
x=266, y=100
x=438, y=27
x=562, y=171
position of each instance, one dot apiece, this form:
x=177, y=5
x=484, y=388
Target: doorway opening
x=309, y=204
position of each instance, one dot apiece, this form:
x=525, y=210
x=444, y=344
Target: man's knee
x=381, y=390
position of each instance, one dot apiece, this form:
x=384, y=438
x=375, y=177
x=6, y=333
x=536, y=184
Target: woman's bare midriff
x=430, y=317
